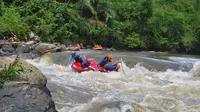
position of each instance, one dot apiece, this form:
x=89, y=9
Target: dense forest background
x=160, y=25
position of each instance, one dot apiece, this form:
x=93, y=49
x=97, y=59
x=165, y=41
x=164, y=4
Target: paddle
x=62, y=69
x=122, y=67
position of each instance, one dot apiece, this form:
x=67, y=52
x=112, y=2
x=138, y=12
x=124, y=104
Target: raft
x=76, y=66
x=97, y=47
x=101, y=69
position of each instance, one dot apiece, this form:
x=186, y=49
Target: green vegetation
x=160, y=25
x=8, y=74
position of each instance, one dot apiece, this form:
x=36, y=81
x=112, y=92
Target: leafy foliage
x=12, y=22
x=137, y=24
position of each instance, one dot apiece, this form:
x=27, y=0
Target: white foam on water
x=138, y=86
x=184, y=59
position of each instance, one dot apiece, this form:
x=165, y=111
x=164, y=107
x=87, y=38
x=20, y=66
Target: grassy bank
x=9, y=73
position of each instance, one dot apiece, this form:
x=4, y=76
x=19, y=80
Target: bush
x=134, y=41
x=8, y=74
x=113, y=23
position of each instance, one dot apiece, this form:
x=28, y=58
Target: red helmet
x=109, y=56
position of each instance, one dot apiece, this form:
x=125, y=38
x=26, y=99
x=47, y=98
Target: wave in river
x=136, y=89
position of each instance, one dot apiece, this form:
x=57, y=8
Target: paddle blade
x=122, y=67
x=62, y=69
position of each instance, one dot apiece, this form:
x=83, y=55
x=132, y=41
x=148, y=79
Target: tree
x=11, y=21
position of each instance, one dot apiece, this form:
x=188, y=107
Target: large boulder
x=29, y=93
x=22, y=97
x=30, y=42
x=27, y=72
x=6, y=62
x=30, y=73
x=23, y=49
x=5, y=53
x=43, y=47
x=59, y=48
x=71, y=48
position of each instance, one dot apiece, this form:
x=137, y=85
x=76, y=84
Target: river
x=146, y=82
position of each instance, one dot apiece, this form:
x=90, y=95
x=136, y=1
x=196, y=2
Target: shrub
x=8, y=74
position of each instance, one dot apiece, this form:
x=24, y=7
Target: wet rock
x=27, y=72
x=30, y=42
x=30, y=73
x=23, y=49
x=31, y=45
x=22, y=97
x=59, y=48
x=45, y=90
x=8, y=48
x=29, y=93
x=6, y=62
x=73, y=48
x=111, y=49
x=2, y=53
x=43, y=47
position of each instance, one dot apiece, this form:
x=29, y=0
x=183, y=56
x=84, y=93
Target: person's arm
x=71, y=58
x=92, y=67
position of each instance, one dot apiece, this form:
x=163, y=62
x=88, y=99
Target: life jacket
x=104, y=61
x=85, y=63
x=78, y=58
x=110, y=67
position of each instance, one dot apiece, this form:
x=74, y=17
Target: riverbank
x=26, y=91
x=33, y=47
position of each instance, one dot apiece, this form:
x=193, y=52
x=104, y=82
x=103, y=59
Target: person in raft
x=105, y=60
x=112, y=67
x=84, y=62
x=75, y=56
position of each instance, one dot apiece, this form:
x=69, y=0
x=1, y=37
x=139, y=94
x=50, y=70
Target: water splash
x=196, y=69
x=105, y=103
x=136, y=89
x=184, y=59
